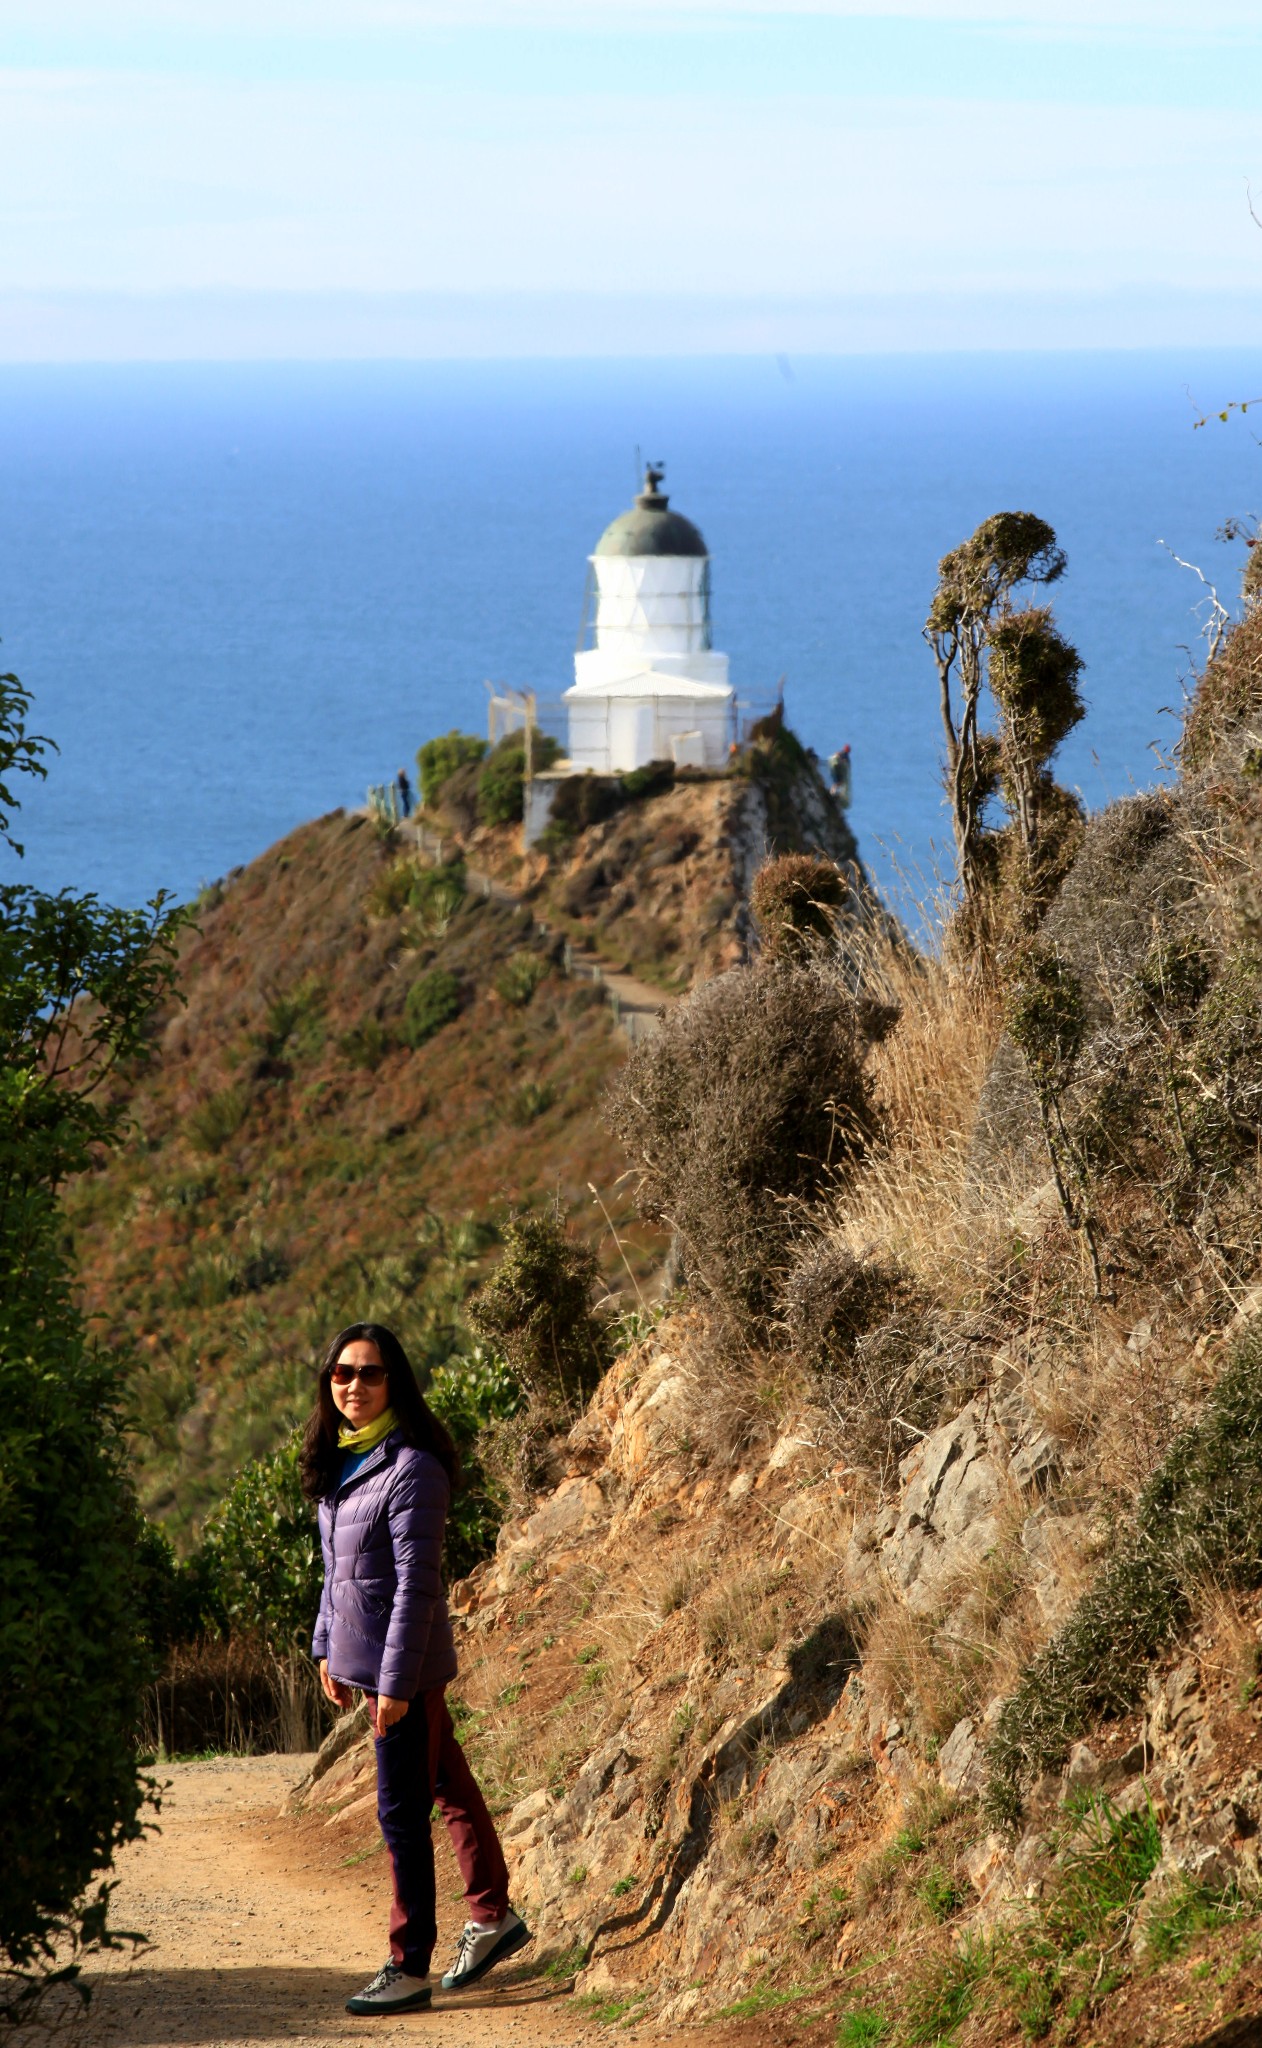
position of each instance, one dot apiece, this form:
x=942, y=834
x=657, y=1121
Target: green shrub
x=1198, y=1520
x=432, y=1001
x=261, y=1553
x=472, y=1393
x=215, y=1122
x=441, y=757
x=76, y=1557
x=365, y=1044
x=437, y=893
x=502, y=781
x=519, y=977
x=292, y=1023
x=226, y=1275
x=536, y=1309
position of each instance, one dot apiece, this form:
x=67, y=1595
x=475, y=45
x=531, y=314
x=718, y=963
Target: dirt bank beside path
x=257, y=1934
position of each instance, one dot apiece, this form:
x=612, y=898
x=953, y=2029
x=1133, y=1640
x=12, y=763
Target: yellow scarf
x=367, y=1438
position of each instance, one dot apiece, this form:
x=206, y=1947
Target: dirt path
x=258, y=1934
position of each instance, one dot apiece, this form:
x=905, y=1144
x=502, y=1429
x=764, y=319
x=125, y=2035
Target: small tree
x=980, y=636
x=536, y=1309
x=78, y=985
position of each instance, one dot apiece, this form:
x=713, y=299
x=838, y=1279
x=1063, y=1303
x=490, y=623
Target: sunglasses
x=371, y=1375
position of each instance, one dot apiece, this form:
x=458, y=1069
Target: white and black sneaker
x=391, y=1990
x=480, y=1948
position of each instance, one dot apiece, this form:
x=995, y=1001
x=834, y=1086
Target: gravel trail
x=258, y=1933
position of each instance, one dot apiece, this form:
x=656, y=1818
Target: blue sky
x=392, y=176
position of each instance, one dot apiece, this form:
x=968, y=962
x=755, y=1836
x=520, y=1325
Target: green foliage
x=215, y=1122
x=472, y=1393
x=1066, y=1954
x=366, y=1044
x=432, y=1001
x=76, y=1558
x=862, y=2027
x=519, y=977
x=501, y=783
x=1187, y=1910
x=536, y=1309
x=533, y=1099
x=292, y=1023
x=433, y=893
x=940, y=1996
x=1046, y=1016
x=650, y=780
x=1198, y=1519
x=441, y=757
x=939, y=1893
x=437, y=893
x=261, y=1553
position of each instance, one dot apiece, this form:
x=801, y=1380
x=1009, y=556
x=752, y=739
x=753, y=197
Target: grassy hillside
x=305, y=1154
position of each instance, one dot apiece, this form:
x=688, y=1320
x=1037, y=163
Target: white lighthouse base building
x=651, y=687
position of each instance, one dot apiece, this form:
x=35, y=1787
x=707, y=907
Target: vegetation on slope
x=652, y=868
x=370, y=1069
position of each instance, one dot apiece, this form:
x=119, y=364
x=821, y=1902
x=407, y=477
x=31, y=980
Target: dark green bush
x=432, y=1001
x=260, y=1553
x=75, y=1556
x=502, y=780
x=442, y=757
x=536, y=1309
x=365, y=1044
x=473, y=1393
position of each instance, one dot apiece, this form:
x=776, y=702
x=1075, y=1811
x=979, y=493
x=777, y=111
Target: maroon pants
x=419, y=1765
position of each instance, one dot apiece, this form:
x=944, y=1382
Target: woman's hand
x=388, y=1712
x=341, y=1695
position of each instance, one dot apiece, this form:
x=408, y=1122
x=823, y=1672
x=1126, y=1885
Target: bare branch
x=1215, y=627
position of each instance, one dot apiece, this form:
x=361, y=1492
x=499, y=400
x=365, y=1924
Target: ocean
x=242, y=593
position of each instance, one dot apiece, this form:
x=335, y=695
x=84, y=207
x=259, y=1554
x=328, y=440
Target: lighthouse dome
x=650, y=527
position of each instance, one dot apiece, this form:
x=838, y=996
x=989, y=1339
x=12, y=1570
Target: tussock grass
x=917, y=1202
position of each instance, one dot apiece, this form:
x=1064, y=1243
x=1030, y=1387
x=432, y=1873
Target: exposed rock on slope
x=661, y=883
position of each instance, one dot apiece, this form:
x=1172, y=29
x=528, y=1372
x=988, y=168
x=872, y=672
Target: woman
x=381, y=1466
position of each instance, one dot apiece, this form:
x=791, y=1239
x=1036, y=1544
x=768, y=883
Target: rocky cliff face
x=688, y=1693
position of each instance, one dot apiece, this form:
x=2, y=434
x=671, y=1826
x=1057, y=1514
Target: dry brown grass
x=930, y=1668
x=917, y=1201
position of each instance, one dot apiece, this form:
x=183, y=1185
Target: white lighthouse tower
x=651, y=687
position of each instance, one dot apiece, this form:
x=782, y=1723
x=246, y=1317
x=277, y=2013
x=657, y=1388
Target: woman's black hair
x=320, y=1462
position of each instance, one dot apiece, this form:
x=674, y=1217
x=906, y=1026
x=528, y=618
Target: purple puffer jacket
x=383, y=1621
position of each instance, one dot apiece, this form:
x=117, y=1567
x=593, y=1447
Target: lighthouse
x=650, y=687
